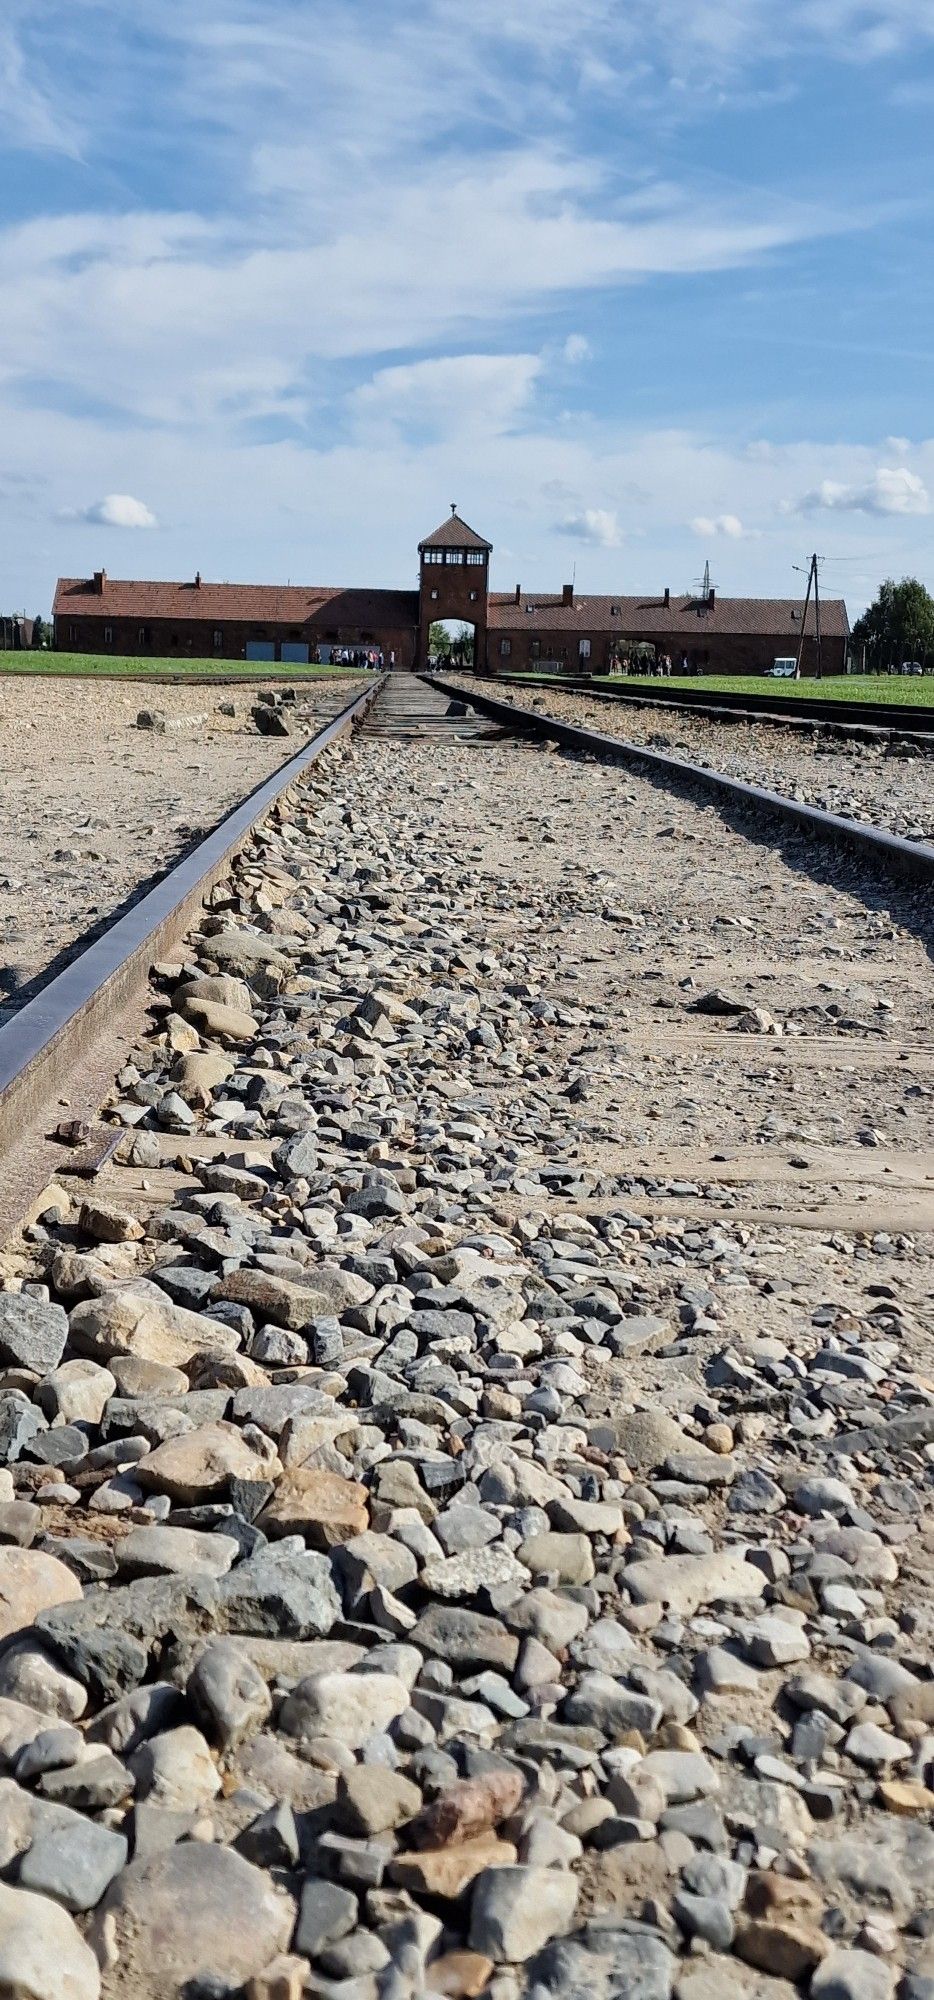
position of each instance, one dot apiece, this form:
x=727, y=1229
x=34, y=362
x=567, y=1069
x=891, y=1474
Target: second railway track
x=467, y=1446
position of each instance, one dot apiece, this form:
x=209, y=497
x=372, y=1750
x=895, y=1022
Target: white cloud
x=729, y=525
x=595, y=525
x=456, y=393
x=891, y=490
x=116, y=510
x=577, y=349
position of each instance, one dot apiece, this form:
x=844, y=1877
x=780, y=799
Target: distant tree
x=898, y=626
x=38, y=632
x=462, y=645
x=439, y=641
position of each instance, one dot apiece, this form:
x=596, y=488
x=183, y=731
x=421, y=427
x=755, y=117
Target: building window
x=476, y=555
x=453, y=555
x=434, y=597
x=145, y=635
x=473, y=596
x=218, y=636
x=584, y=649
x=108, y=635
x=536, y=649
x=505, y=647
x=433, y=555
x=73, y=631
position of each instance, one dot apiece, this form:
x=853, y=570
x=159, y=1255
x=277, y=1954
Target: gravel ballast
x=454, y=1553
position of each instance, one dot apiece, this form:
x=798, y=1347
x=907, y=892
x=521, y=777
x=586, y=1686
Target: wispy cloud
x=32, y=115
x=891, y=490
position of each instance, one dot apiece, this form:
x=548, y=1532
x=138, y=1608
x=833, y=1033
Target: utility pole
x=812, y=577
x=817, y=614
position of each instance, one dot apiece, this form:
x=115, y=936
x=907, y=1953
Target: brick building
x=513, y=632
x=699, y=634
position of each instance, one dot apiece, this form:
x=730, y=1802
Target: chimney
x=100, y=578
x=197, y=579
x=518, y=593
x=667, y=598
x=567, y=595
x=712, y=599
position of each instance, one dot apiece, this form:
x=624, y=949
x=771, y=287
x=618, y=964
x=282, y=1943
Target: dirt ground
x=92, y=807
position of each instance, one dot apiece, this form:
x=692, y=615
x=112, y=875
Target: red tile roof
x=650, y=617
x=454, y=534
x=239, y=603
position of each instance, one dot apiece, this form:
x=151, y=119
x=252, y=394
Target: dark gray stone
x=73, y=1860
x=326, y=1914
x=33, y=1333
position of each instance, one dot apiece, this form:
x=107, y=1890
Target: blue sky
x=638, y=283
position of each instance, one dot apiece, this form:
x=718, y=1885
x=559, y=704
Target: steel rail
x=858, y=718
x=43, y=1044
x=907, y=859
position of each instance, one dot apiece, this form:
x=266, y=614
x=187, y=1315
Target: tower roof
x=454, y=534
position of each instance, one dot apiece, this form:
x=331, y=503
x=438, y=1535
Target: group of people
x=361, y=657
x=647, y=663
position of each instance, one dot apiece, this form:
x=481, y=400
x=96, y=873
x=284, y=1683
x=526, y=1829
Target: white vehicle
x=782, y=670
x=911, y=667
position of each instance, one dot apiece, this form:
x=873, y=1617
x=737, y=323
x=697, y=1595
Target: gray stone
x=28, y=1673
x=685, y=1583
x=822, y=1496
x=605, y=1962
x=875, y=1747
x=91, y=1786
x=469, y=1640
x=853, y=1975
x=33, y=1333
x=194, y=1909
x=132, y=1720
x=282, y=1593
x=351, y=1707
x=600, y=1702
x=164, y=1551
x=326, y=1914
x=756, y=1493
x=568, y=1557
x=683, y=1774
x=176, y=1770
x=228, y=1693
x=73, y=1860
x=516, y=1911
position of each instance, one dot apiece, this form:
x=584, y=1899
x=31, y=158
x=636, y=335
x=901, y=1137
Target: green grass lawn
x=84, y=666
x=903, y=689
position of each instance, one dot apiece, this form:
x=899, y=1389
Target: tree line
x=898, y=626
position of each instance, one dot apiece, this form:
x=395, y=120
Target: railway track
x=466, y=1448
x=857, y=719
x=876, y=847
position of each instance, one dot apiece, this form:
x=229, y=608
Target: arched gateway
x=454, y=575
